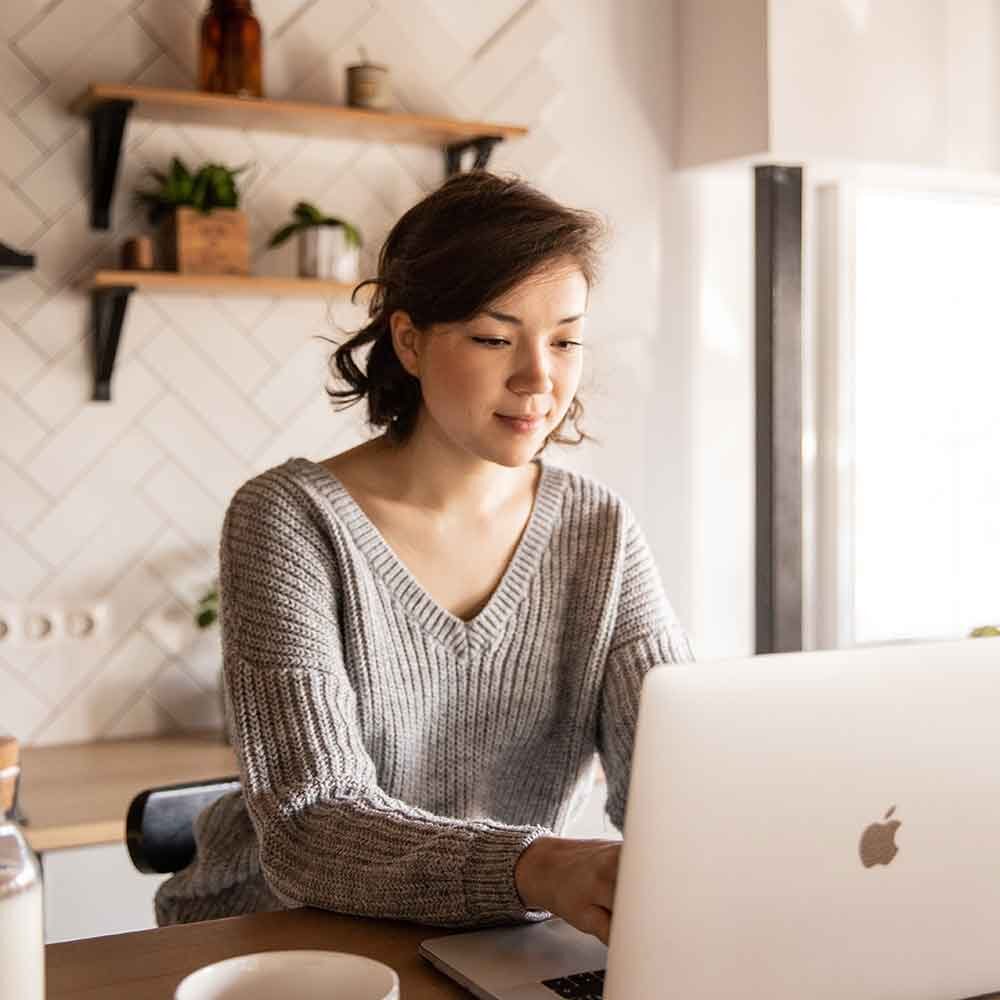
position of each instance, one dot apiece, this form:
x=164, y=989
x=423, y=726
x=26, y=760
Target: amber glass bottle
x=230, y=54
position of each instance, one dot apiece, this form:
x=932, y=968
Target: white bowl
x=292, y=975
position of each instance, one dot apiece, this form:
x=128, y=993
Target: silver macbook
x=821, y=825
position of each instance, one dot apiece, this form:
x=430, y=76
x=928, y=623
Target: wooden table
x=76, y=794
x=148, y=965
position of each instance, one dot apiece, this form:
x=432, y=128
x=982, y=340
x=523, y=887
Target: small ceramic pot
x=324, y=252
x=368, y=86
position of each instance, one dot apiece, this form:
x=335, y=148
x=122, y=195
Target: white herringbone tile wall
x=121, y=503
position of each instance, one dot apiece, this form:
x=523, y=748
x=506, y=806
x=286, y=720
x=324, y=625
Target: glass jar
x=22, y=929
x=229, y=60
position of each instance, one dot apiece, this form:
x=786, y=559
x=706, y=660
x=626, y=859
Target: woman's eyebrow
x=506, y=318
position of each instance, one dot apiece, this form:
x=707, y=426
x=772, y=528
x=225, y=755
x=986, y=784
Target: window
x=908, y=419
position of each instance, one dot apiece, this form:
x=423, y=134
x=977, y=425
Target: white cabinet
x=90, y=891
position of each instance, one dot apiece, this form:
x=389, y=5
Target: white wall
x=123, y=501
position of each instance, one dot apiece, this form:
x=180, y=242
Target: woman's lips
x=519, y=424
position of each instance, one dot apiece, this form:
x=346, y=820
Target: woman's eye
x=492, y=341
x=570, y=345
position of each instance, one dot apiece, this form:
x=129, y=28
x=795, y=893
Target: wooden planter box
x=217, y=242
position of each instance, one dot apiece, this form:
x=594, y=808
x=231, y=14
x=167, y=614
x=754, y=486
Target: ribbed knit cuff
x=490, y=887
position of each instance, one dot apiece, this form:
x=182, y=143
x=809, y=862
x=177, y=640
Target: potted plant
x=328, y=247
x=201, y=229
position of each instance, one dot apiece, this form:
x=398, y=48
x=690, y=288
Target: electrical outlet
x=46, y=625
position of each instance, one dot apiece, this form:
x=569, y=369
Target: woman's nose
x=533, y=374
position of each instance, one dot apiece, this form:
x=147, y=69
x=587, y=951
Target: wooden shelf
x=108, y=106
x=310, y=118
x=215, y=284
x=110, y=291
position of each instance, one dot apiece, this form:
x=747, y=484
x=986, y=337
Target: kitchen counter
x=148, y=965
x=73, y=795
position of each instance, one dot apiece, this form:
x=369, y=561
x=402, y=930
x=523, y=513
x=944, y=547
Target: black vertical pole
x=778, y=380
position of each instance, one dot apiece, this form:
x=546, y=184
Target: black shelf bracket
x=483, y=145
x=107, y=127
x=108, y=307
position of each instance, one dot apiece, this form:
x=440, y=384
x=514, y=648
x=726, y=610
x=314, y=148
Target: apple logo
x=878, y=846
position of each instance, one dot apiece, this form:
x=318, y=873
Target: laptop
x=822, y=825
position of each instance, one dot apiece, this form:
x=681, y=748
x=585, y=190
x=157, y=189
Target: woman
x=426, y=638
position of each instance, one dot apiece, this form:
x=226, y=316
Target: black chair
x=159, y=828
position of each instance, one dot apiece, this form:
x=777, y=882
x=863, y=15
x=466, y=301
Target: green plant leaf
x=206, y=618
x=282, y=234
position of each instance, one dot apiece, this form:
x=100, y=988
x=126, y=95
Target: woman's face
x=521, y=357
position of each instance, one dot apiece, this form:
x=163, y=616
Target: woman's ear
x=406, y=341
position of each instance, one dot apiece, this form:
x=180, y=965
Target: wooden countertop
x=77, y=794
x=148, y=965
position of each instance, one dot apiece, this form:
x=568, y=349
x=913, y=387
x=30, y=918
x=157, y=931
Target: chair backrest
x=159, y=828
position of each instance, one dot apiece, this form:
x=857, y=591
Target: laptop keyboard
x=579, y=986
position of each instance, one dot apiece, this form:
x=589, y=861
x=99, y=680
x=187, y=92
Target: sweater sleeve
x=328, y=835
x=646, y=634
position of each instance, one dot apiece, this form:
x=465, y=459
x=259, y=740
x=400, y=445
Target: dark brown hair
x=448, y=257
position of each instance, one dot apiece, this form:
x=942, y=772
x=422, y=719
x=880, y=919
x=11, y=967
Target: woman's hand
x=574, y=879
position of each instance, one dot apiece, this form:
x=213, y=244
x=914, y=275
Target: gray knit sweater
x=394, y=759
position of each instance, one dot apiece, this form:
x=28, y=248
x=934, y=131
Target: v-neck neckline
x=488, y=622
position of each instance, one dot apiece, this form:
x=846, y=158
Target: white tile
x=419, y=73
x=19, y=151
x=205, y=325
x=377, y=187
x=203, y=658
x=116, y=55
x=21, y=710
x=473, y=24
x=528, y=100
x=165, y=72
x=134, y=594
x=505, y=58
x=316, y=432
x=20, y=222
x=426, y=37
x=186, y=700
x=46, y=118
x=22, y=432
x=64, y=388
x=14, y=16
x=290, y=58
x=62, y=321
x=196, y=447
x=276, y=16
x=172, y=627
x=64, y=178
x=75, y=447
x=21, y=294
x=101, y=497
x=187, y=569
x=16, y=80
x=142, y=717
x=68, y=244
x=23, y=571
x=20, y=362
x=23, y=501
x=283, y=331
x=207, y=393
x=192, y=511
x=246, y=310
x=301, y=378
x=106, y=692
x=174, y=27
x=125, y=532
x=63, y=33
